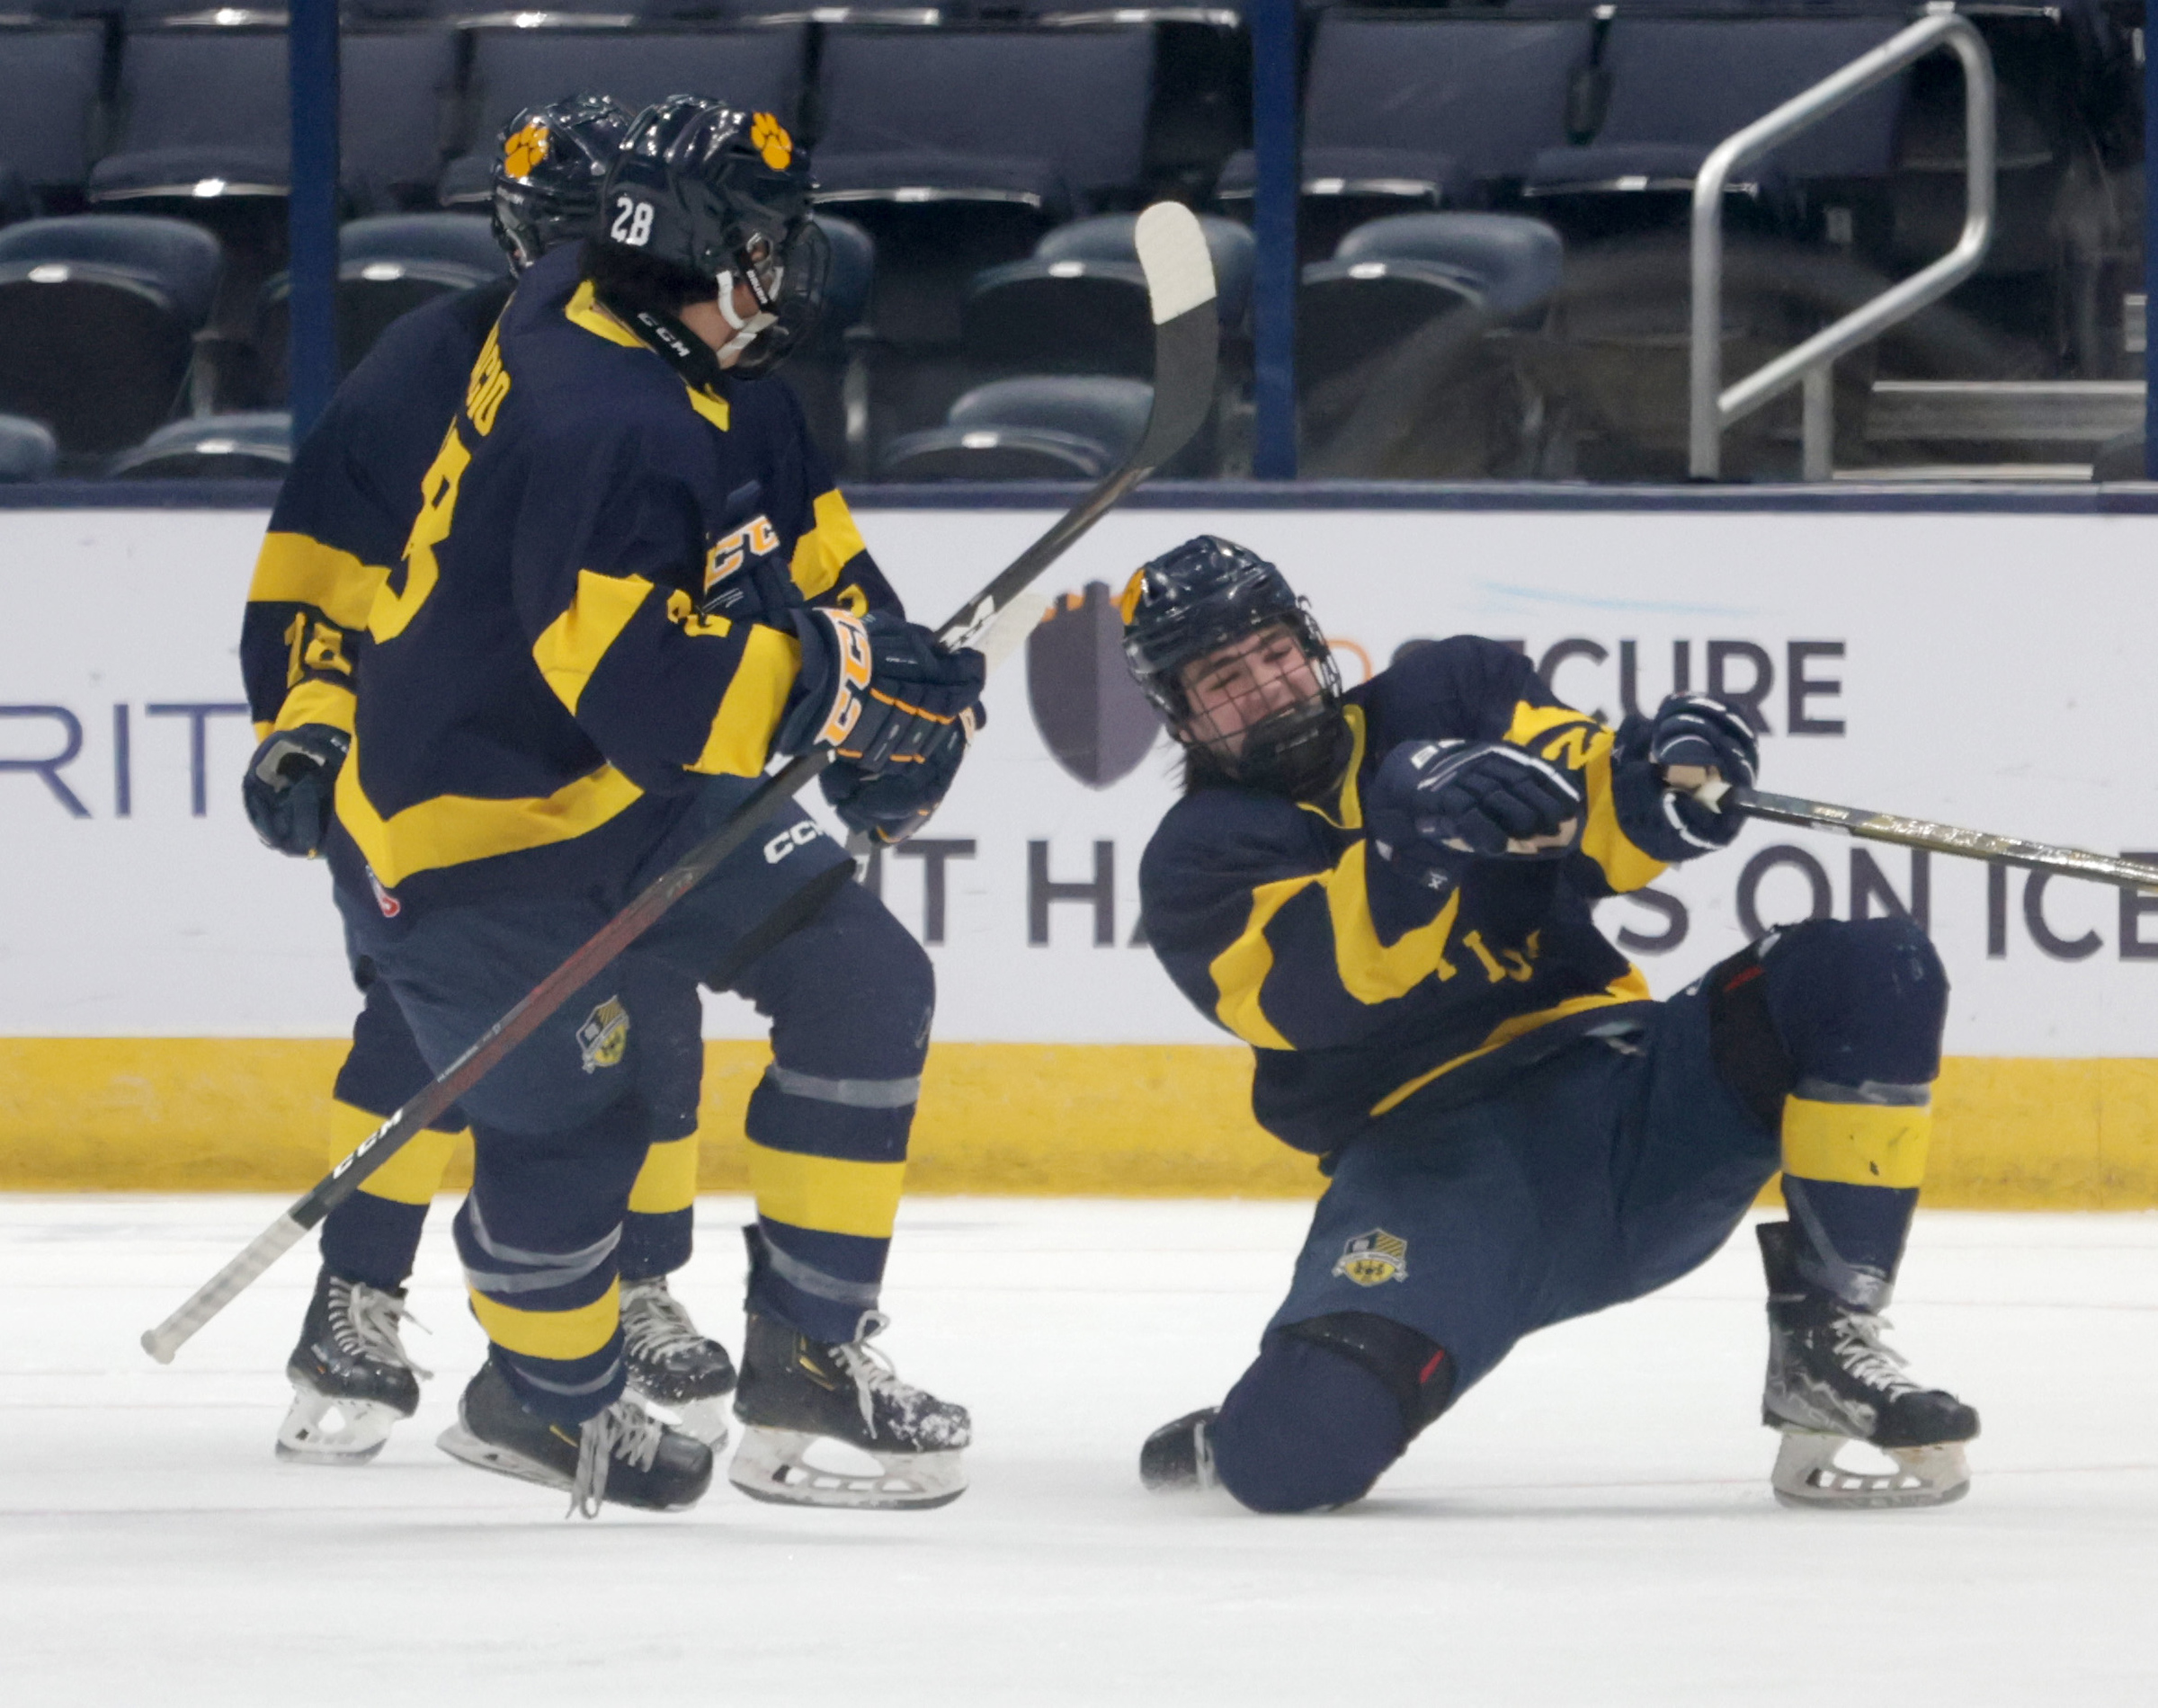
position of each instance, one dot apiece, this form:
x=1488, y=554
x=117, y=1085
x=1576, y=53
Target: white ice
x=1592, y=1525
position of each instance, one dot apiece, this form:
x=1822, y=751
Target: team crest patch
x=525, y=149
x=769, y=137
x=1374, y=1258
x=604, y=1035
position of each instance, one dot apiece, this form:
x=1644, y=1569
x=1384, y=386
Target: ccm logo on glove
x=855, y=657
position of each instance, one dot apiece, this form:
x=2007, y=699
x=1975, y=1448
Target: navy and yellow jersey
x=542, y=691
x=347, y=505
x=1356, y=987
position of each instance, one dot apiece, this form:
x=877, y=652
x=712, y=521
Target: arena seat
x=205, y=114
x=1678, y=86
x=255, y=446
x=1053, y=120
x=49, y=107
x=1065, y=428
x=1414, y=110
x=759, y=70
x=28, y=451
x=1078, y=304
x=387, y=265
x=1398, y=374
x=98, y=314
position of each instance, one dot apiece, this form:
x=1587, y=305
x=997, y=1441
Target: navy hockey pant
x=561, y=1128
x=374, y=1235
x=1597, y=1177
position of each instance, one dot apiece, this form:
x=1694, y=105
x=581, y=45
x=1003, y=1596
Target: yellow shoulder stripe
x=1627, y=987
x=828, y=548
x=296, y=569
x=451, y=830
x=1532, y=721
x=584, y=309
x=749, y=711
x=569, y=649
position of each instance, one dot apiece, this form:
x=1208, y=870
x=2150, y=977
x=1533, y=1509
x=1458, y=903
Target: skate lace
x=655, y=1325
x=366, y=1320
x=624, y=1431
x=1859, y=1350
x=870, y=1370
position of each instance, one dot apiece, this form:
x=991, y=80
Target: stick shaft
x=1945, y=839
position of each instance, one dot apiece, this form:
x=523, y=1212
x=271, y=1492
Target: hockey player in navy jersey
x=632, y=584
x=340, y=519
x=1386, y=894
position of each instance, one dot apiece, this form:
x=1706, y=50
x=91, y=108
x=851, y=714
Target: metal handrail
x=1713, y=409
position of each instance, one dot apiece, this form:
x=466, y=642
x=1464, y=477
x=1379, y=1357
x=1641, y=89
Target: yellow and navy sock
x=374, y=1235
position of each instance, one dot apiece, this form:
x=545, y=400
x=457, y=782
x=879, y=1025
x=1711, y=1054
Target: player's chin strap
x=747, y=327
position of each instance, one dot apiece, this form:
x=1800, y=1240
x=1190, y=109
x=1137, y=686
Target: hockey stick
x=1179, y=288
x=1920, y=833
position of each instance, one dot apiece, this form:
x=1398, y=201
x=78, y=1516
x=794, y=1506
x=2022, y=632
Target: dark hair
x=627, y=279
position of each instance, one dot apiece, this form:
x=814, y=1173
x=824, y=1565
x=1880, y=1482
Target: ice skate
x=1832, y=1380
x=1180, y=1456
x=352, y=1378
x=625, y=1454
x=798, y=1394
x=673, y=1367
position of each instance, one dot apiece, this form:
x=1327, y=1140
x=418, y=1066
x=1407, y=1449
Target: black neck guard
x=679, y=348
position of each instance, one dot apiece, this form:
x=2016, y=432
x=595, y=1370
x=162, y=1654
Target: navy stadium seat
x=1053, y=120
x=98, y=314
x=49, y=107
x=758, y=70
x=1397, y=374
x=256, y=446
x=206, y=114
x=386, y=266
x=1678, y=86
x=1066, y=428
x=1417, y=111
x=28, y=451
x=1078, y=304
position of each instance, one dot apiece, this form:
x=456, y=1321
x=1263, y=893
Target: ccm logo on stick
x=787, y=841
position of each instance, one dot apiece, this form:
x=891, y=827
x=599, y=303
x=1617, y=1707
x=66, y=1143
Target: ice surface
x=1592, y=1525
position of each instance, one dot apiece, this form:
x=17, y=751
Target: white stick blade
x=1172, y=250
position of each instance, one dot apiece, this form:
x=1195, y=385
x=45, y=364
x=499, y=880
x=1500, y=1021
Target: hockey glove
x=891, y=805
x=878, y=692
x=1693, y=730
x=1431, y=803
x=289, y=785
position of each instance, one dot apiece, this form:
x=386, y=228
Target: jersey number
x=395, y=607
x=632, y=222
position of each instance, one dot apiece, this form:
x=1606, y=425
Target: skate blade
x=706, y=1419
x=1807, y=1474
x=362, y=1429
x=771, y=1464
x=460, y=1443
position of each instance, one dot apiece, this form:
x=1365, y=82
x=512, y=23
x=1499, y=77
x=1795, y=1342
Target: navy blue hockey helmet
x=724, y=195
x=1211, y=593
x=548, y=171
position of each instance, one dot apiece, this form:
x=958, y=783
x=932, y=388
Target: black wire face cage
x=790, y=288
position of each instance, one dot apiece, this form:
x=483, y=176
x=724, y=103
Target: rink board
x=167, y=987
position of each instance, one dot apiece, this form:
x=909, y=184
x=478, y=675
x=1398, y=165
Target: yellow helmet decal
x=524, y=149
x=1127, y=602
x=769, y=137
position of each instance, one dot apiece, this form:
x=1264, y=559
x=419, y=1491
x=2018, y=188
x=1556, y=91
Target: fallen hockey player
x=1386, y=894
